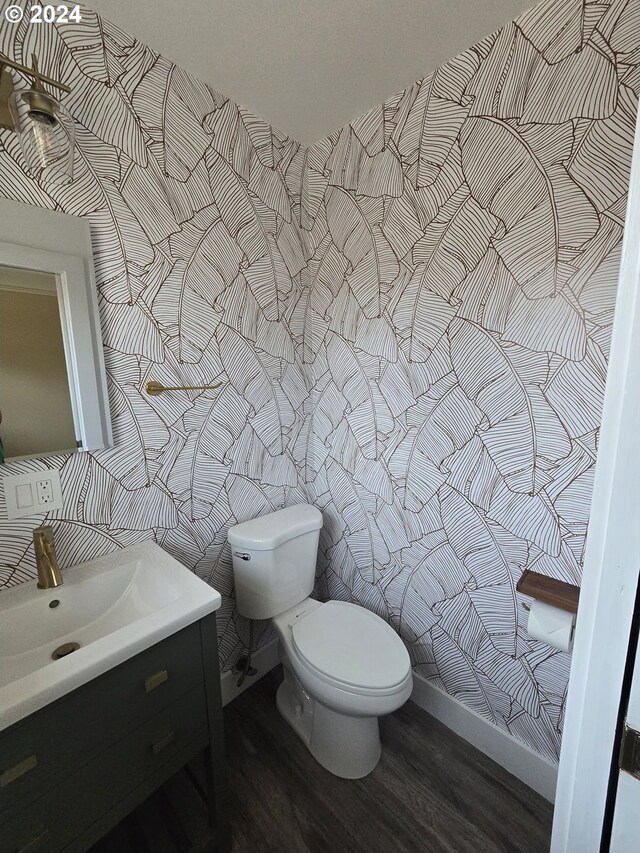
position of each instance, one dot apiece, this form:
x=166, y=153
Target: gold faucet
x=48, y=569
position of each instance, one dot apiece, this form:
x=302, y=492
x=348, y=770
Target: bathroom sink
x=110, y=608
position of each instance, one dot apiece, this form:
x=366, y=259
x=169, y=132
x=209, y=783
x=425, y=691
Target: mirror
x=33, y=373
x=53, y=395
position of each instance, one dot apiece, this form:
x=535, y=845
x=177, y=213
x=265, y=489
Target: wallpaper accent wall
x=465, y=240
x=192, y=203
x=411, y=320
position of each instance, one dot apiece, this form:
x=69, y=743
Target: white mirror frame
x=29, y=239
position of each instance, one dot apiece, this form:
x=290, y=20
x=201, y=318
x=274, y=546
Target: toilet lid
x=351, y=645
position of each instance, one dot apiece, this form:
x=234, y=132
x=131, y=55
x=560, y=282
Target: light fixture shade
x=45, y=129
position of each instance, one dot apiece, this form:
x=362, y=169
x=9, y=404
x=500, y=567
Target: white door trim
x=610, y=571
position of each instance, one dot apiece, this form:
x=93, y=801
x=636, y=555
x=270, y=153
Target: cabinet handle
x=165, y=741
x=155, y=680
x=17, y=771
x=35, y=842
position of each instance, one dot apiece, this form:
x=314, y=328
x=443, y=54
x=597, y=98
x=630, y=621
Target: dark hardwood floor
x=431, y=792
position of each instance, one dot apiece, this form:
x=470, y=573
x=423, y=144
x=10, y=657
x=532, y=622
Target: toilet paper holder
x=551, y=591
x=551, y=616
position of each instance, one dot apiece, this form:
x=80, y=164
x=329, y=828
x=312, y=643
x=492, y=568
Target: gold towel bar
x=156, y=388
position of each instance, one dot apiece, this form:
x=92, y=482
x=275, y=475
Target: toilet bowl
x=343, y=666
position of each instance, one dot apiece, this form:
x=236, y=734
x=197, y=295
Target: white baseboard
x=263, y=659
x=534, y=770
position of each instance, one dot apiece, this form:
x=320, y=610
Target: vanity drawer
x=50, y=744
x=52, y=822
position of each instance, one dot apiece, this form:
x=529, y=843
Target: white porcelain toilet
x=343, y=665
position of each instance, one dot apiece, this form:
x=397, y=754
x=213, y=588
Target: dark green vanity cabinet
x=75, y=768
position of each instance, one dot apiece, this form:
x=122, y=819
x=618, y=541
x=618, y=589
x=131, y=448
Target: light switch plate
x=32, y=494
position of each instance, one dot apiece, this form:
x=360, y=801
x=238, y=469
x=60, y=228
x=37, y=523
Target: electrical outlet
x=44, y=491
x=34, y=493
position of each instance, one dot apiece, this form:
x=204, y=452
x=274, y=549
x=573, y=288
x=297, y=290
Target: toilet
x=343, y=666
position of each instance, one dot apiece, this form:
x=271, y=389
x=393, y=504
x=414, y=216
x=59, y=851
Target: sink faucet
x=48, y=569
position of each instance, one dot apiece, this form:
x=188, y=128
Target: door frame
x=610, y=577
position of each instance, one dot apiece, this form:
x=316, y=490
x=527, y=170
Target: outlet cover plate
x=21, y=493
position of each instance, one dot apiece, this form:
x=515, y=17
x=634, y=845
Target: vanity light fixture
x=44, y=126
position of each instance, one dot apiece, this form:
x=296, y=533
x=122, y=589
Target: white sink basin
x=114, y=607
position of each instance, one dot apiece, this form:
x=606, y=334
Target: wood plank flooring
x=431, y=792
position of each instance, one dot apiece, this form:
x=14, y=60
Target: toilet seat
x=348, y=646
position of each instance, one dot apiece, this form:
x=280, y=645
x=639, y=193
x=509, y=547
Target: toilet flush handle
x=241, y=555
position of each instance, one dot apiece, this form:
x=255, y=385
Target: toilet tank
x=274, y=560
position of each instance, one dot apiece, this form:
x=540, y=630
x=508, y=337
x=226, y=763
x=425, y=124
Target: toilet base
x=346, y=746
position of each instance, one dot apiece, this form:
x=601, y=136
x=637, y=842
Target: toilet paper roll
x=551, y=625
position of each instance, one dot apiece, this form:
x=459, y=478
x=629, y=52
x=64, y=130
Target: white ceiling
x=309, y=66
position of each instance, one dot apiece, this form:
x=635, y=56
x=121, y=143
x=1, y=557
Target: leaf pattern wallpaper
x=193, y=204
x=464, y=241
x=411, y=320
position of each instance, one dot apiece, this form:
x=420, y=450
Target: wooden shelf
x=551, y=591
